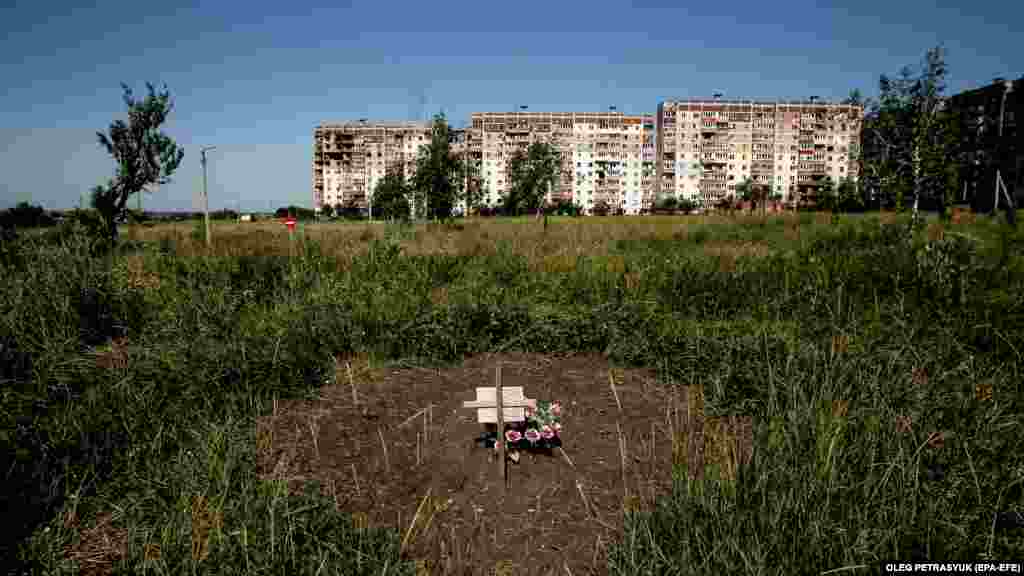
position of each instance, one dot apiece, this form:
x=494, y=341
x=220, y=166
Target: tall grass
x=132, y=380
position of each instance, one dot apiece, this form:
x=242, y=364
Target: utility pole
x=206, y=197
x=1011, y=209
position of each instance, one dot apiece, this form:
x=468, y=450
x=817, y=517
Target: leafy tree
x=532, y=174
x=327, y=210
x=826, y=195
x=601, y=208
x=297, y=212
x=566, y=207
x=439, y=176
x=390, y=197
x=473, y=192
x=667, y=204
x=224, y=215
x=25, y=215
x=687, y=206
x=145, y=156
x=848, y=198
x=745, y=191
x=912, y=139
x=855, y=98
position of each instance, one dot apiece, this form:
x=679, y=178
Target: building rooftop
x=749, y=101
x=351, y=124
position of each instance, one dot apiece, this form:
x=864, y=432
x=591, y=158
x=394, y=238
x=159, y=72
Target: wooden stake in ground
x=502, y=463
x=352, y=383
x=611, y=382
x=622, y=457
x=387, y=462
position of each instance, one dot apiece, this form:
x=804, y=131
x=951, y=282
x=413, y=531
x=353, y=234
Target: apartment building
x=705, y=147
x=992, y=118
x=350, y=158
x=605, y=157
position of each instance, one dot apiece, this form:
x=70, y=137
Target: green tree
x=438, y=182
x=327, y=210
x=145, y=156
x=745, y=190
x=391, y=197
x=687, y=206
x=912, y=143
x=826, y=195
x=855, y=98
x=25, y=215
x=848, y=198
x=472, y=184
x=532, y=174
x=667, y=203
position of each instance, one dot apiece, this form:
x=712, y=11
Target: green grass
x=164, y=444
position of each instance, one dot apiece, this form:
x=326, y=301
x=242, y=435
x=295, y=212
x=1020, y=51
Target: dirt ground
x=403, y=454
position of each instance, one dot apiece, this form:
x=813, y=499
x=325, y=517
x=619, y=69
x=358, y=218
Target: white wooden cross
x=495, y=405
x=513, y=404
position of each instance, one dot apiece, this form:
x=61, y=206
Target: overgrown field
x=883, y=370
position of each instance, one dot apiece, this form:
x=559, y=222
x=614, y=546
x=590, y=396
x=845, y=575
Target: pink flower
x=513, y=435
x=532, y=435
x=556, y=408
x=547, y=432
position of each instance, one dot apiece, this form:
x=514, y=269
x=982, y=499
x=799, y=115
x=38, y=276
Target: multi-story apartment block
x=606, y=157
x=706, y=147
x=350, y=158
x=992, y=127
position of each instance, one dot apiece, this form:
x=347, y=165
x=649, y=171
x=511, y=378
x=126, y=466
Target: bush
x=25, y=215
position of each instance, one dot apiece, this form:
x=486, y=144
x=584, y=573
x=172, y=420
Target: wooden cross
x=497, y=405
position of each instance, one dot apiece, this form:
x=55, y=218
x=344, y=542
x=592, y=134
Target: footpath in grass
x=880, y=375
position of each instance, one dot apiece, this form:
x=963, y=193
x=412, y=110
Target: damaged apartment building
x=350, y=158
x=693, y=149
x=707, y=147
x=606, y=158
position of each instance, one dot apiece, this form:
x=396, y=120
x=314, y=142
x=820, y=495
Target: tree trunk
x=917, y=180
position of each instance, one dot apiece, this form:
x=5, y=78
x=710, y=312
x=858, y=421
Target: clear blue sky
x=254, y=78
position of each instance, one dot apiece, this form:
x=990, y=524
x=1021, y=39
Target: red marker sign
x=290, y=223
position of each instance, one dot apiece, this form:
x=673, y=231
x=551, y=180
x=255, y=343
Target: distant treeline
x=25, y=215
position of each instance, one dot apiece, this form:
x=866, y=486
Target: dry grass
x=552, y=248
x=112, y=356
x=99, y=547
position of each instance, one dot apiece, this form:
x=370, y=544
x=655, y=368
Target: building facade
x=606, y=158
x=350, y=158
x=983, y=111
x=705, y=147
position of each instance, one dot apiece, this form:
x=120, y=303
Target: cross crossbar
x=513, y=404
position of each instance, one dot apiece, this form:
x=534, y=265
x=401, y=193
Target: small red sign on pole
x=290, y=223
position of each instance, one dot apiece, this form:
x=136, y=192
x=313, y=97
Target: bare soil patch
x=446, y=498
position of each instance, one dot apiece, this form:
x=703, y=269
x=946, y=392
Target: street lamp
x=206, y=197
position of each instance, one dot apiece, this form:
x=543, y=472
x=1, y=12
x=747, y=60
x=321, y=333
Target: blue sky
x=254, y=78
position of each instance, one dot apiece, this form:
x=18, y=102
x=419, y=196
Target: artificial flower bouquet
x=540, y=432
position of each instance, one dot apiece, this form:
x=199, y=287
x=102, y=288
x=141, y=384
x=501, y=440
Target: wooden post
x=501, y=428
